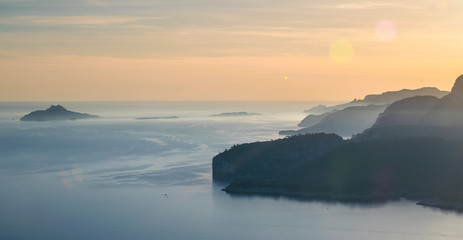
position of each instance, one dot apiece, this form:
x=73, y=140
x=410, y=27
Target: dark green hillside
x=253, y=160
x=380, y=168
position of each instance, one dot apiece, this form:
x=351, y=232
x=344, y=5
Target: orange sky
x=244, y=50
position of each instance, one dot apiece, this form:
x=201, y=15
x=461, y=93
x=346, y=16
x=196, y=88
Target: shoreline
x=442, y=204
x=420, y=199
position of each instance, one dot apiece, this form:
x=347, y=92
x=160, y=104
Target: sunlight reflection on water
x=119, y=178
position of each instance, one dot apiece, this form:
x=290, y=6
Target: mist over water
x=117, y=177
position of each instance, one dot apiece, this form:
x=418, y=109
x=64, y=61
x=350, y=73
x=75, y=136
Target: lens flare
x=386, y=31
x=76, y=173
x=66, y=178
x=341, y=51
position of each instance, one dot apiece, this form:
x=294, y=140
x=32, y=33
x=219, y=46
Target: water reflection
x=353, y=203
x=218, y=186
x=124, y=187
x=452, y=211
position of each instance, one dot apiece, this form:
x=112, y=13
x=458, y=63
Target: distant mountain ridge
x=414, y=150
x=382, y=98
x=55, y=113
x=313, y=119
x=354, y=117
x=346, y=122
x=426, y=110
x=393, y=96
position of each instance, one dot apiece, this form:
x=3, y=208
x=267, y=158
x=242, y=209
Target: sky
x=226, y=50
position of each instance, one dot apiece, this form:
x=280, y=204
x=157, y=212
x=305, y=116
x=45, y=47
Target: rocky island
x=155, y=118
x=234, y=114
x=55, y=113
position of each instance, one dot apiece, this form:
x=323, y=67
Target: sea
x=119, y=177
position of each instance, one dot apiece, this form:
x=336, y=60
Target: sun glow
x=341, y=51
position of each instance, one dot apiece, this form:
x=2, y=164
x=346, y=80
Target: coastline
x=308, y=195
x=442, y=204
x=420, y=199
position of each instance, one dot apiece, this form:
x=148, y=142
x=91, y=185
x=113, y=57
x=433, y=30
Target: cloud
x=367, y=5
x=74, y=20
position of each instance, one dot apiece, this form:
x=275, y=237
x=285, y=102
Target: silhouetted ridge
x=409, y=111
x=457, y=89
x=414, y=149
x=57, y=108
x=392, y=96
x=381, y=99
x=313, y=119
x=346, y=122
x=356, y=116
x=426, y=110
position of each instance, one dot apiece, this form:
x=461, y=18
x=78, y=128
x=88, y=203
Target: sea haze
x=117, y=177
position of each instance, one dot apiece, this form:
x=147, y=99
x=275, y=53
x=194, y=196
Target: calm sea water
x=121, y=178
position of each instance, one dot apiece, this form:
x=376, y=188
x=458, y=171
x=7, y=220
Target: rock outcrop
x=55, y=113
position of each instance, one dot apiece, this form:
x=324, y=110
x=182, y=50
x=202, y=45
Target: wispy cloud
x=368, y=5
x=74, y=20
